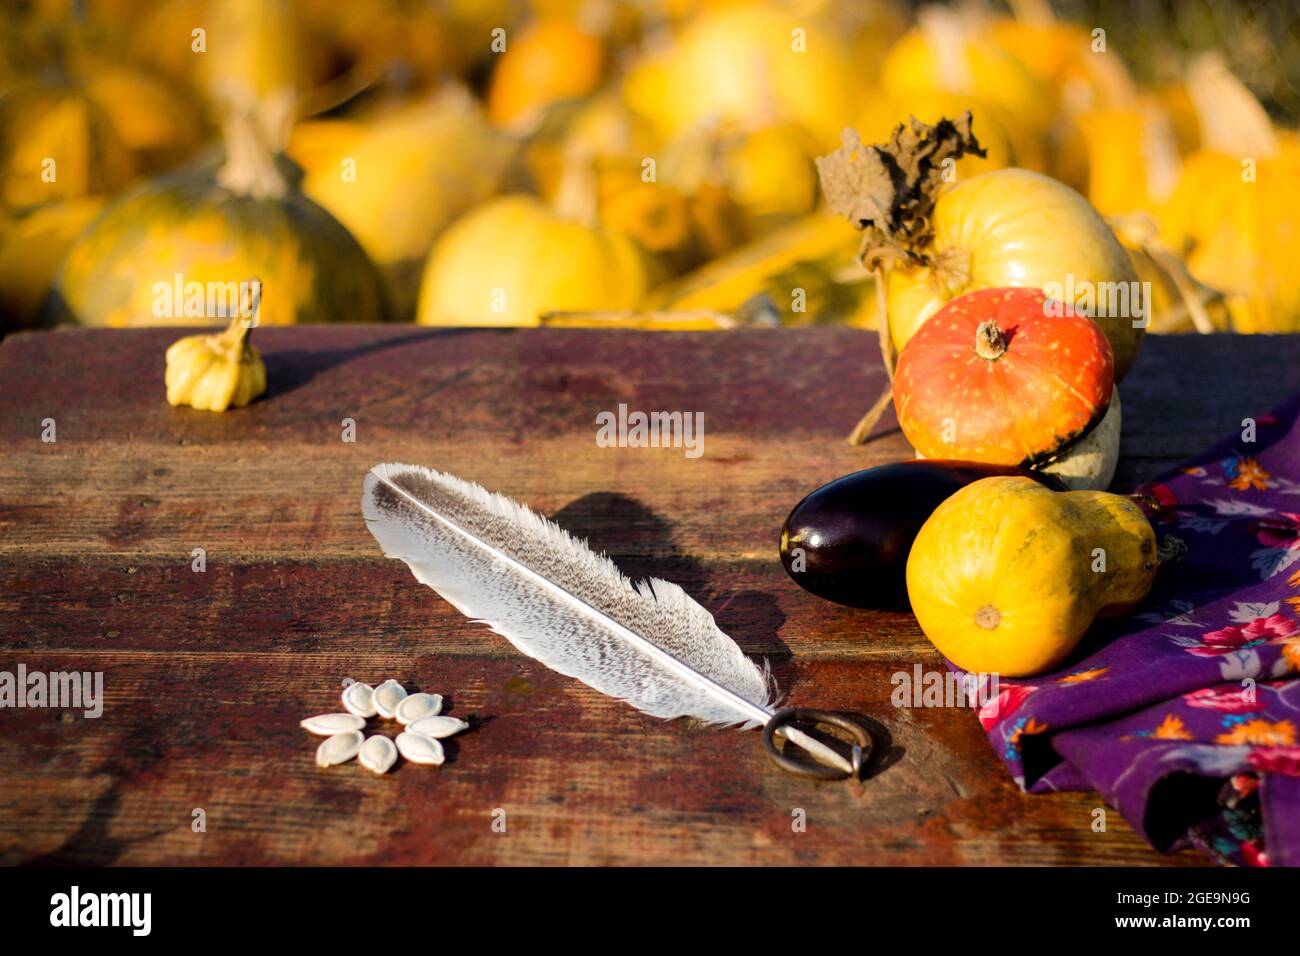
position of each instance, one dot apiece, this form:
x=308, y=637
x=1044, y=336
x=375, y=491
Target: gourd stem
x=234, y=339
x=250, y=168
x=947, y=35
x=862, y=430
x=1140, y=231
x=575, y=197
x=1231, y=118
x=1033, y=12
x=889, y=358
x=1191, y=298
x=989, y=343
x=923, y=149
x=233, y=342
x=887, y=353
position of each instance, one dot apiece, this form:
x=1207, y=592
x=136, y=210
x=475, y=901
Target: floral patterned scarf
x=1181, y=714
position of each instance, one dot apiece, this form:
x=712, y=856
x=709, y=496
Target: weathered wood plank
x=581, y=778
x=70, y=604
x=208, y=673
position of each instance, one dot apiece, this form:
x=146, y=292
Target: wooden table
x=207, y=674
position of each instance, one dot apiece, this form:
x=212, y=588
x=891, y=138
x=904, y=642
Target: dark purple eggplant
x=848, y=541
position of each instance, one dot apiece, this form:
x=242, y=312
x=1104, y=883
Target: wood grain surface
x=207, y=674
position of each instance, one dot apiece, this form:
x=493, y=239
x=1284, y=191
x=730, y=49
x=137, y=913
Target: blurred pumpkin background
x=640, y=163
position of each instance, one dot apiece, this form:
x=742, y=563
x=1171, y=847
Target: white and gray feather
x=550, y=595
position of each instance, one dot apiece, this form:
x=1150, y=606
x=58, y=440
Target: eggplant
x=848, y=541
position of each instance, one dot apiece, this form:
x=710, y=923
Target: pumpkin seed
x=418, y=706
x=378, y=753
x=387, y=696
x=359, y=699
x=338, y=749
x=326, y=725
x=419, y=748
x=436, y=727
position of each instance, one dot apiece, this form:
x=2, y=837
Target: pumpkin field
x=630, y=163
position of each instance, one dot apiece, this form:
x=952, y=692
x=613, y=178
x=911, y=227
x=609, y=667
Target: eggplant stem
x=1170, y=549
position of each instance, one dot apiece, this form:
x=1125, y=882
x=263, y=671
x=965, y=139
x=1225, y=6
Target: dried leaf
x=889, y=190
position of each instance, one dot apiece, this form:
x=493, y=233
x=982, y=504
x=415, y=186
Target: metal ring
x=861, y=743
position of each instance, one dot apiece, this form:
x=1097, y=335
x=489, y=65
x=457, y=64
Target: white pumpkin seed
x=418, y=706
x=437, y=727
x=358, y=698
x=378, y=753
x=386, y=698
x=326, y=725
x=418, y=748
x=338, y=749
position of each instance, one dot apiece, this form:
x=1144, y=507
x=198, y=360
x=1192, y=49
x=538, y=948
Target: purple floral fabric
x=1185, y=715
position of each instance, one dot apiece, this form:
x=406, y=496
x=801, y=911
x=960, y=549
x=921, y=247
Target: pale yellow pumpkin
x=1014, y=227
x=750, y=65
x=398, y=181
x=514, y=258
x=882, y=114
x=947, y=53
x=769, y=172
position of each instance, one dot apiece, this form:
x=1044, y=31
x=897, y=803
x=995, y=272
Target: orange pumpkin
x=1004, y=376
x=550, y=60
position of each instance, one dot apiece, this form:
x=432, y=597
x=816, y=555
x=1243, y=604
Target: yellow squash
x=157, y=124
x=805, y=273
x=170, y=251
x=684, y=213
x=1235, y=211
x=214, y=372
x=397, y=182
x=600, y=126
x=1006, y=576
x=514, y=258
x=32, y=248
x=769, y=173
x=57, y=143
x=415, y=38
x=1014, y=227
x=546, y=61
x=947, y=53
x=750, y=64
x=680, y=226
x=254, y=49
